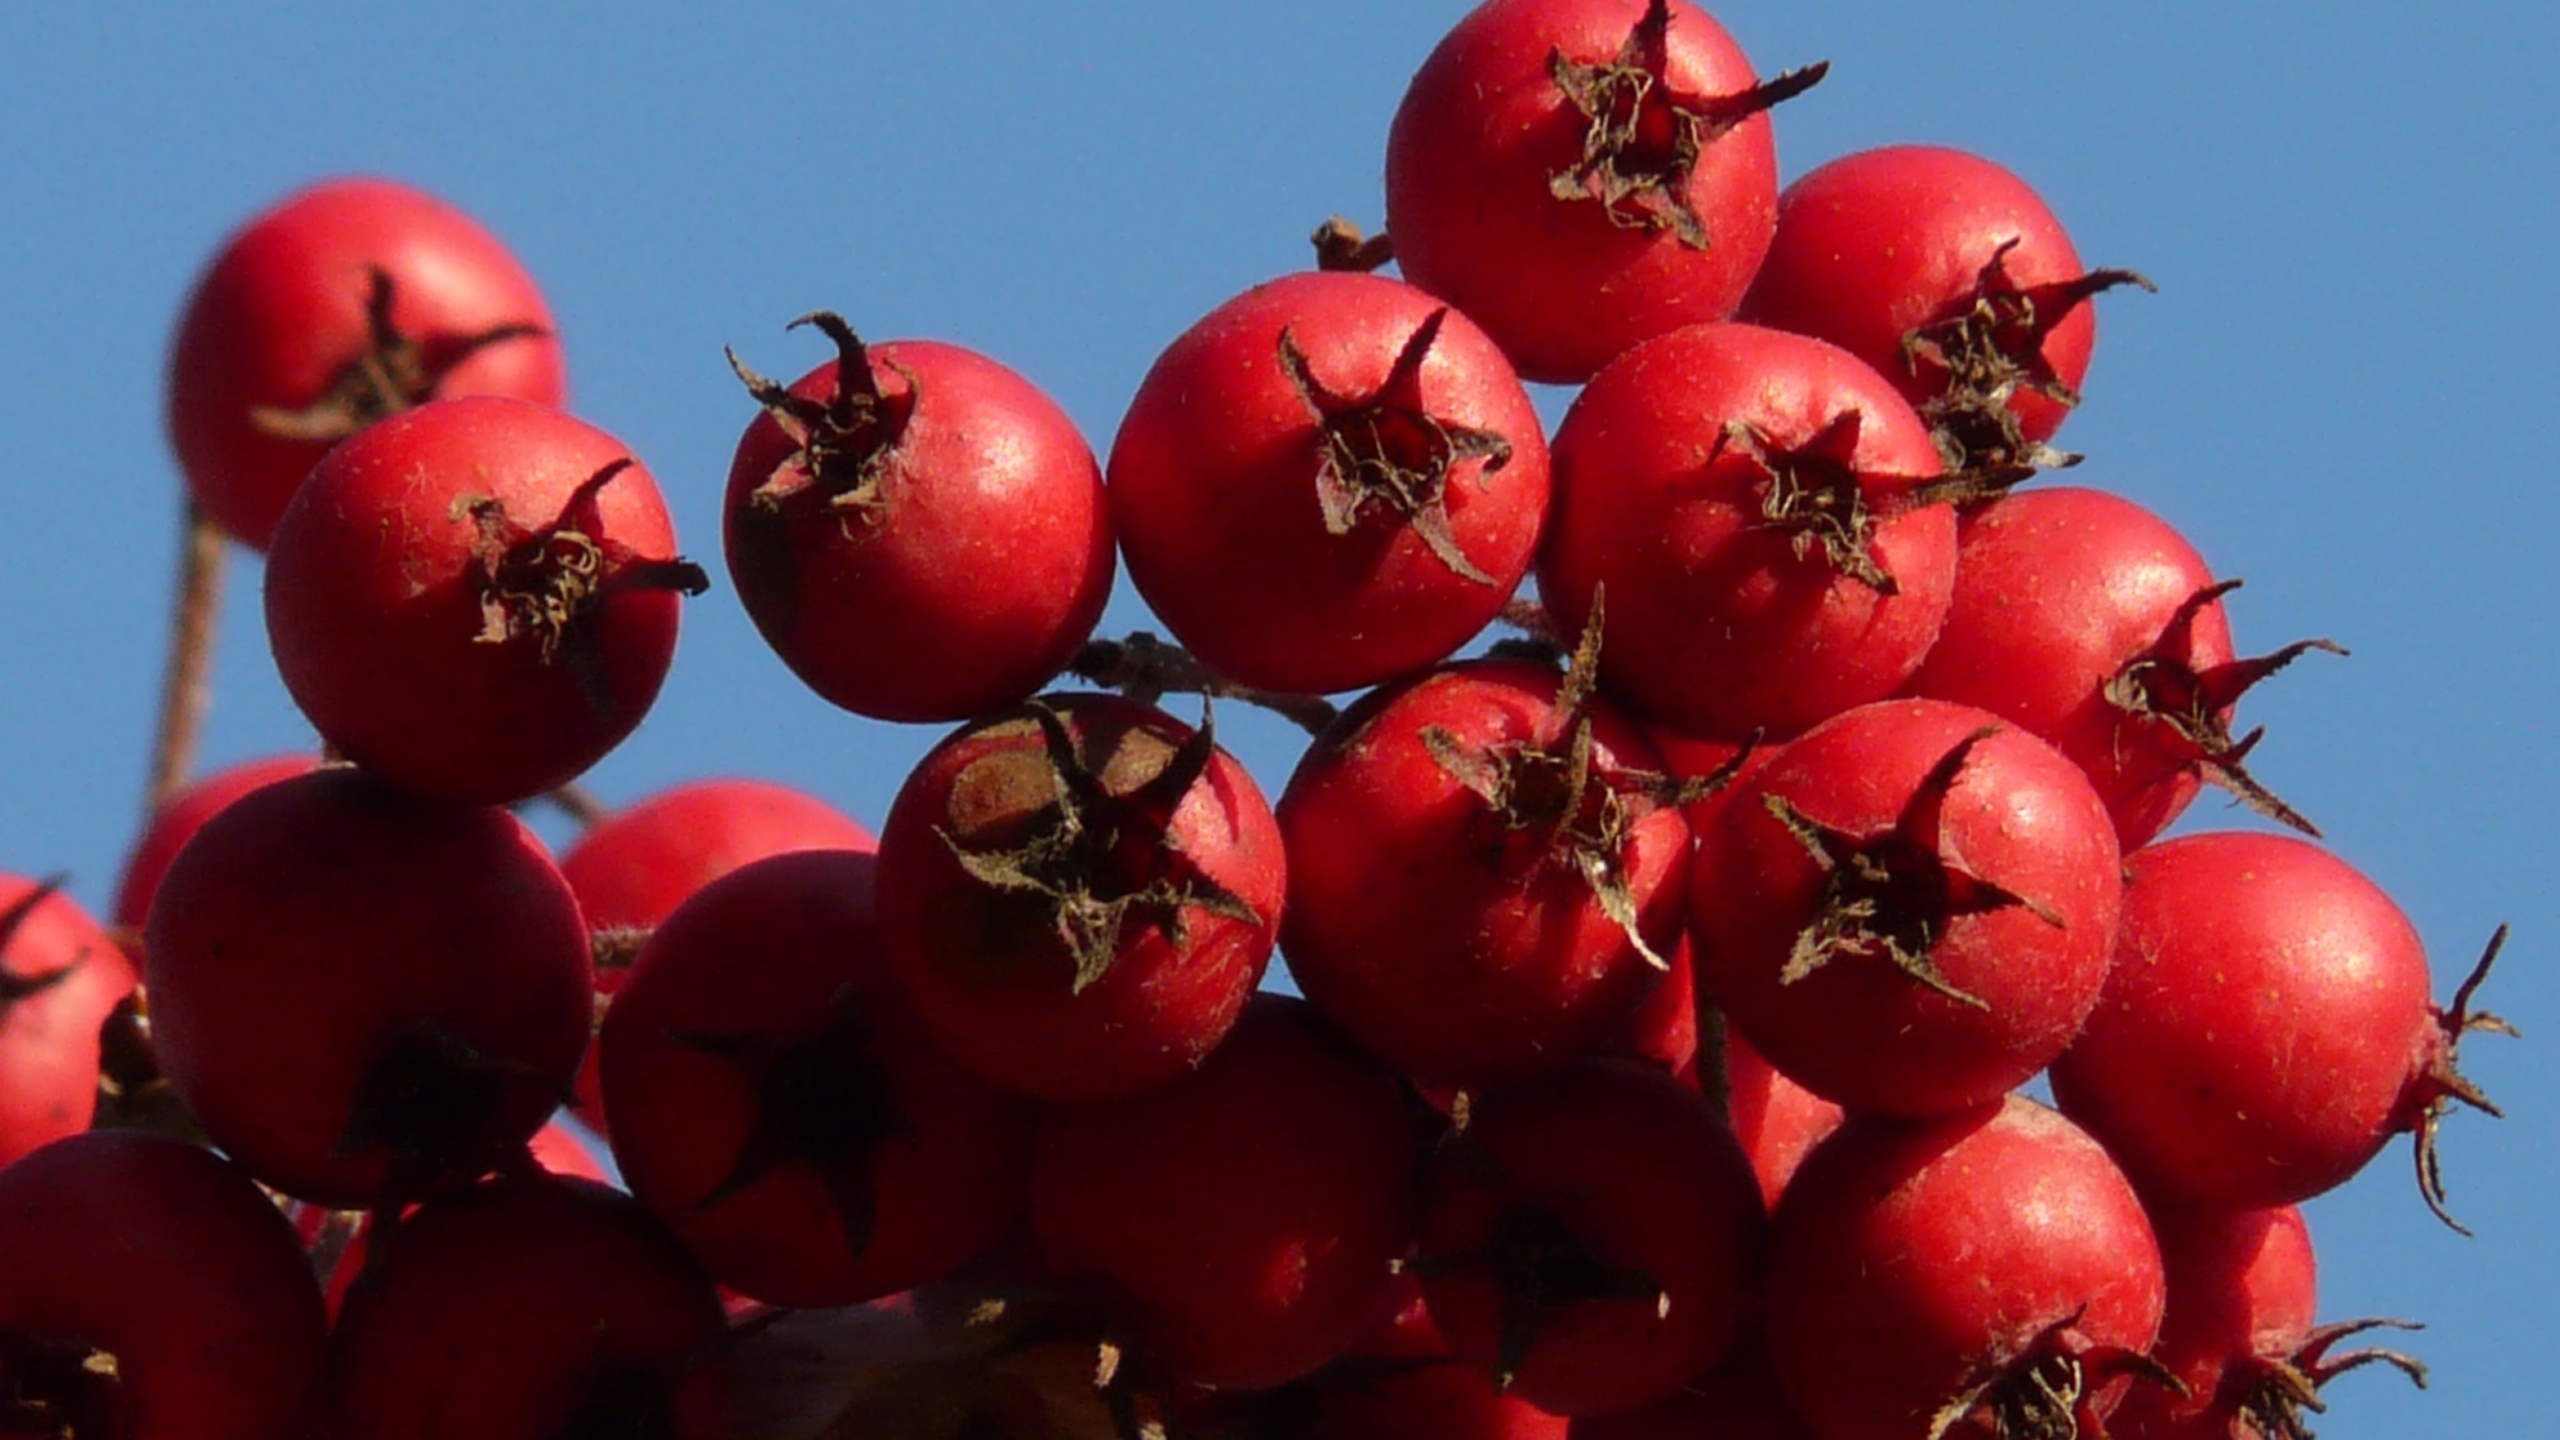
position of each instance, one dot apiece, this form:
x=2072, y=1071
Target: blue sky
x=2341, y=391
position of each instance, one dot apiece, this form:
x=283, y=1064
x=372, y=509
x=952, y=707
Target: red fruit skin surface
x=171, y=1259
x=1738, y=1400
x=49, y=1026
x=1715, y=625
x=281, y=309
x=632, y=869
x=319, y=921
x=1874, y=245
x=1470, y=159
x=1456, y=949
x=987, y=973
x=1242, y=1221
x=767, y=954
x=2243, y=1295
x=517, y=1309
x=181, y=815
x=1857, y=1030
x=983, y=567
x=1640, y=1174
x=1214, y=493
x=374, y=602
x=2057, y=590
x=1911, y=1257
x=2266, y=1026
x=1777, y=1121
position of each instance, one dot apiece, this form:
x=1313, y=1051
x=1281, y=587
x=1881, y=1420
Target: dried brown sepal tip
x=2159, y=687
x=1099, y=858
x=1890, y=896
x=539, y=584
x=822, y=1101
x=2276, y=1390
x=14, y=988
x=1641, y=138
x=1340, y=246
x=1146, y=668
x=58, y=1390
x=1553, y=796
x=1386, y=448
x=2438, y=1087
x=1992, y=346
x=1537, y=1265
x=2049, y=1389
x=430, y=1101
x=841, y=446
x=393, y=373
x=1815, y=494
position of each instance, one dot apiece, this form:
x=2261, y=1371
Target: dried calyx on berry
x=1815, y=495
x=841, y=446
x=2049, y=1389
x=394, y=372
x=1642, y=138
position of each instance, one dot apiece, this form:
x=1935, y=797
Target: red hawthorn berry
x=1777, y=1121
x=2265, y=1029
x=777, y=1105
x=344, y=303
x=1757, y=507
x=1738, y=1400
x=364, y=997
x=1582, y=175
x=2240, y=1331
x=1987, y=1273
x=1242, y=1222
x=515, y=627
x=1909, y=909
x=916, y=530
x=149, y=1289
x=631, y=869
x=1946, y=273
x=60, y=977
x=527, y=1309
x=2084, y=618
x=1329, y=480
x=1079, y=896
x=1486, y=869
x=179, y=817
x=1591, y=1239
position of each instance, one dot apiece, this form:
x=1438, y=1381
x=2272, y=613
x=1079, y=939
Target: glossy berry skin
x=1874, y=246
x=170, y=1259
x=1777, y=1121
x=60, y=977
x=2058, y=590
x=950, y=574
x=2266, y=1027
x=1241, y=1222
x=280, y=317
x=517, y=627
x=1912, y=1261
x=1566, y=284
x=1994, y=989
x=780, y=1109
x=181, y=815
x=327, y=939
x=632, y=869
x=1176, y=897
x=1220, y=471
x=563, y=1302
x=1576, y=1204
x=1461, y=947
x=1728, y=611
x=2242, y=1300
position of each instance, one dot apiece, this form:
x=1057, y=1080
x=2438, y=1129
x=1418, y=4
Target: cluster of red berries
x=1669, y=973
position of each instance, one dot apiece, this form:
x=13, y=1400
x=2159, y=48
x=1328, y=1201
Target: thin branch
x=186, y=686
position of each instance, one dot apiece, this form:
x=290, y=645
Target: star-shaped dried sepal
x=394, y=372
x=842, y=446
x=1102, y=854
x=1385, y=449
x=2049, y=1389
x=1817, y=497
x=538, y=585
x=1642, y=138
x=1990, y=346
x=1890, y=896
x=2187, y=711
x=2274, y=1391
x=26, y=985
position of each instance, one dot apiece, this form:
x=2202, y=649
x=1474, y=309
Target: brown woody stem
x=1147, y=669
x=186, y=686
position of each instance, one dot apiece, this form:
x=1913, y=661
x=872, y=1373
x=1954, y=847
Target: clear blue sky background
x=2343, y=391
